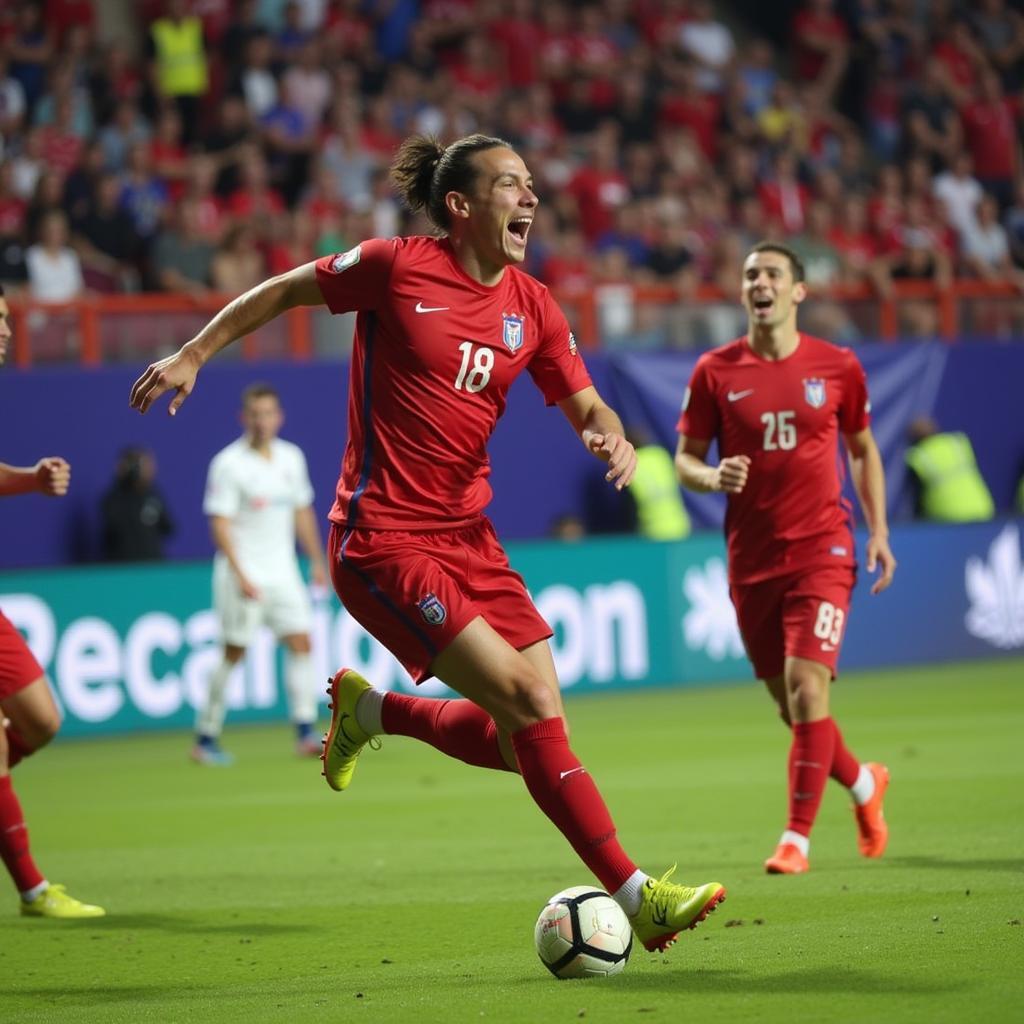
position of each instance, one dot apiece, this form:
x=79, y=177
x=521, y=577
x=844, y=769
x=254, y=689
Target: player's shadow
x=826, y=980
x=89, y=995
x=1012, y=864
x=168, y=923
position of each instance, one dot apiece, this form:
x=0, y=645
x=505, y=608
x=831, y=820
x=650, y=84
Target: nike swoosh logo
x=571, y=771
x=735, y=396
x=828, y=647
x=420, y=308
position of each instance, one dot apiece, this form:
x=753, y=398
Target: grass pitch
x=255, y=894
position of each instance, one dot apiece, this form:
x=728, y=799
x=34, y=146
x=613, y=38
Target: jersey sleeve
x=357, y=279
x=303, y=496
x=698, y=415
x=557, y=367
x=855, y=407
x=221, y=497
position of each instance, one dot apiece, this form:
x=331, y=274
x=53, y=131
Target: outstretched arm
x=868, y=477
x=600, y=429
x=242, y=316
x=50, y=476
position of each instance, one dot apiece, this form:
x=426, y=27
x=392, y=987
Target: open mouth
x=519, y=229
x=763, y=305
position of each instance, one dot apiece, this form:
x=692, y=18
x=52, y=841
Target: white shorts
x=284, y=606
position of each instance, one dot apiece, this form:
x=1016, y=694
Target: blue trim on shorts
x=367, y=466
x=379, y=595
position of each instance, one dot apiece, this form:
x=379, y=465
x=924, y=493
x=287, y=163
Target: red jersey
x=786, y=415
x=435, y=353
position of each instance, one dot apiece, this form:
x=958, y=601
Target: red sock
x=564, y=791
x=14, y=840
x=457, y=728
x=845, y=767
x=810, y=761
x=17, y=748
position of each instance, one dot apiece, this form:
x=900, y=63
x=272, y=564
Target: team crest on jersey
x=345, y=260
x=433, y=612
x=814, y=392
x=512, y=331
x=572, y=344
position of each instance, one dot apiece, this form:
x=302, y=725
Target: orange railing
x=101, y=329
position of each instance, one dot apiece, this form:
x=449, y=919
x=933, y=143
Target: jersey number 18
x=475, y=377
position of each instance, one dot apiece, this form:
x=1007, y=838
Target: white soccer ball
x=583, y=933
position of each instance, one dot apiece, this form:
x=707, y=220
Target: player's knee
x=533, y=700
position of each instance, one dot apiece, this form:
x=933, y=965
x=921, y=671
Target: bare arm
x=238, y=318
x=600, y=429
x=868, y=477
x=220, y=531
x=729, y=476
x=50, y=476
x=308, y=533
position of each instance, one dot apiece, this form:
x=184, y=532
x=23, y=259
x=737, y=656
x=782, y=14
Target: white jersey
x=260, y=495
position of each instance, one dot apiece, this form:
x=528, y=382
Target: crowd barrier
x=130, y=648
x=102, y=329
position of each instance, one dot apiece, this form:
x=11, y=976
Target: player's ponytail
x=424, y=172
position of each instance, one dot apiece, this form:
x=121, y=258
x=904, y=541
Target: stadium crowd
x=222, y=140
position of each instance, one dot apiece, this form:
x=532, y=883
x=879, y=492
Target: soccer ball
x=583, y=933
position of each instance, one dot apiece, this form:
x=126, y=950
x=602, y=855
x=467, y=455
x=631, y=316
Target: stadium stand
x=882, y=140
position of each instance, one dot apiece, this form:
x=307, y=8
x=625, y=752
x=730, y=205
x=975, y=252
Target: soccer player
x=259, y=499
x=29, y=718
x=444, y=326
x=776, y=401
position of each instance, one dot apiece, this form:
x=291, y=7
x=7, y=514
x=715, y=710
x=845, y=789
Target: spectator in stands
x=107, y=244
x=308, y=83
x=709, y=43
x=255, y=81
x=254, y=198
x=1000, y=31
x=144, y=195
x=179, y=69
x=756, y=71
x=125, y=129
x=54, y=270
x=182, y=257
x=985, y=246
x=932, y=124
x=167, y=152
x=30, y=49
x=238, y=264
x=821, y=44
x=990, y=130
x=959, y=194
x=63, y=88
x=228, y=140
x=289, y=139
x=13, y=104
x=134, y=518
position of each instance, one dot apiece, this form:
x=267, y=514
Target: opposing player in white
x=259, y=499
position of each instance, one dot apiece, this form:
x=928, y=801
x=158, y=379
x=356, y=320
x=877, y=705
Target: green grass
x=255, y=894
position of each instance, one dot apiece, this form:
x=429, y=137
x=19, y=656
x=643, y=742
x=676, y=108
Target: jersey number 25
x=779, y=430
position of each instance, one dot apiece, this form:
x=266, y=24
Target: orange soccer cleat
x=786, y=860
x=873, y=832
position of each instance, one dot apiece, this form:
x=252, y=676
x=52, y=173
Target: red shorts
x=18, y=667
x=415, y=592
x=802, y=615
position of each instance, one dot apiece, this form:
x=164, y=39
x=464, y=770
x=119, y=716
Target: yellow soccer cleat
x=54, y=901
x=666, y=909
x=345, y=739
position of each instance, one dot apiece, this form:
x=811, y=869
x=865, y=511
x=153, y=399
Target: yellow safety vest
x=180, y=58
x=952, y=488
x=661, y=514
